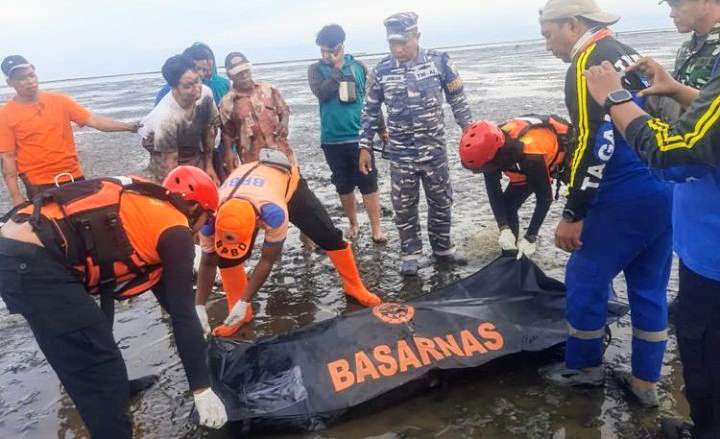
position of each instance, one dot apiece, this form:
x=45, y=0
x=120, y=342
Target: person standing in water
x=36, y=138
x=338, y=81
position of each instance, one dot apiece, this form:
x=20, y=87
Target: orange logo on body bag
x=394, y=313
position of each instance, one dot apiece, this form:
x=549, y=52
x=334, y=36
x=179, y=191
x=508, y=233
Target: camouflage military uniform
x=413, y=95
x=695, y=62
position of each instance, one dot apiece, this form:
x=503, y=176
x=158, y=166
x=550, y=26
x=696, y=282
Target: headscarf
x=217, y=83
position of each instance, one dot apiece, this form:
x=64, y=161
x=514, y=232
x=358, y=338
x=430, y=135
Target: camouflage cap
x=401, y=26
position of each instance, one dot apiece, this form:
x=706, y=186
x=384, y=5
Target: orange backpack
x=79, y=223
x=563, y=131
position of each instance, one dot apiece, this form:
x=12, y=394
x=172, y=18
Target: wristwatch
x=569, y=216
x=616, y=98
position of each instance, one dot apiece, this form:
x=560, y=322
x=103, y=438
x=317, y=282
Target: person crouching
x=266, y=194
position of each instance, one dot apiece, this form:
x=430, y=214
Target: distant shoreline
x=357, y=55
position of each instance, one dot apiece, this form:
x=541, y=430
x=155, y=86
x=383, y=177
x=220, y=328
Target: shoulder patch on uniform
x=455, y=85
x=272, y=215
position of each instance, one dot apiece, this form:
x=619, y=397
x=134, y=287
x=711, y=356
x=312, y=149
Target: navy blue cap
x=401, y=26
x=12, y=63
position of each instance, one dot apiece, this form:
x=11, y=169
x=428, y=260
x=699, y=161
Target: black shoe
x=451, y=259
x=139, y=385
x=674, y=428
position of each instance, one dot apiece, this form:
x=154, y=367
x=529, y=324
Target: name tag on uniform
x=427, y=78
x=392, y=79
x=425, y=71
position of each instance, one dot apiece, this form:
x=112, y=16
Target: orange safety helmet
x=235, y=228
x=480, y=143
x=194, y=185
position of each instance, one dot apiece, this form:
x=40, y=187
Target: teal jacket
x=340, y=122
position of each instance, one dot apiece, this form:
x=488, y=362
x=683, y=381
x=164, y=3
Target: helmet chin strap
x=194, y=213
x=509, y=154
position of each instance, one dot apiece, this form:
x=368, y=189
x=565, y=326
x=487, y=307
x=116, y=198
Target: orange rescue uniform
x=541, y=141
x=143, y=219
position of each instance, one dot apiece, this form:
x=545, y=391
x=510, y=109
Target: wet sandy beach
x=508, y=400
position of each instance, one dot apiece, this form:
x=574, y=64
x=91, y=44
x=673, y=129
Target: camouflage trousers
x=435, y=178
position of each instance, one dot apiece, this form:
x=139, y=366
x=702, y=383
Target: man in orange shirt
x=36, y=138
x=135, y=236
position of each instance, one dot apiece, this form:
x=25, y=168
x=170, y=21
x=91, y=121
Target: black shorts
x=343, y=160
x=309, y=215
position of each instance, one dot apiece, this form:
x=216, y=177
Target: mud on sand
x=506, y=400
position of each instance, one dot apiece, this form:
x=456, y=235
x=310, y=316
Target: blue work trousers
x=634, y=238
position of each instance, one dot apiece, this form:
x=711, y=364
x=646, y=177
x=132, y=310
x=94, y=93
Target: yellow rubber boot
x=344, y=262
x=234, y=281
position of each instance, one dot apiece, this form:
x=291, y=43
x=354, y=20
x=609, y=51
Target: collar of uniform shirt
x=409, y=63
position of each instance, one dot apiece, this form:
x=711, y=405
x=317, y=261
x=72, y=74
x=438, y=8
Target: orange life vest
x=553, y=143
x=80, y=224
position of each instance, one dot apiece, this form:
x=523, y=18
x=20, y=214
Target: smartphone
x=634, y=81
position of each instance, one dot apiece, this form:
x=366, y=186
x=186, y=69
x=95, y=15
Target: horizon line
x=358, y=55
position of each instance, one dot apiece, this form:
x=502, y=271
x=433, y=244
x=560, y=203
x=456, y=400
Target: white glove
x=210, y=408
x=507, y=240
x=526, y=248
x=201, y=312
x=237, y=313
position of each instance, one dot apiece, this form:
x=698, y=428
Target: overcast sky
x=85, y=38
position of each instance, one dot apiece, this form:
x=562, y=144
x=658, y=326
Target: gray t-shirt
x=169, y=127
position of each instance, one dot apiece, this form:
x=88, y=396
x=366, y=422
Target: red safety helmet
x=480, y=143
x=194, y=185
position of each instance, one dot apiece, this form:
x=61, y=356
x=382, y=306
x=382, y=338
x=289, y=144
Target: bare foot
x=379, y=238
x=352, y=232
